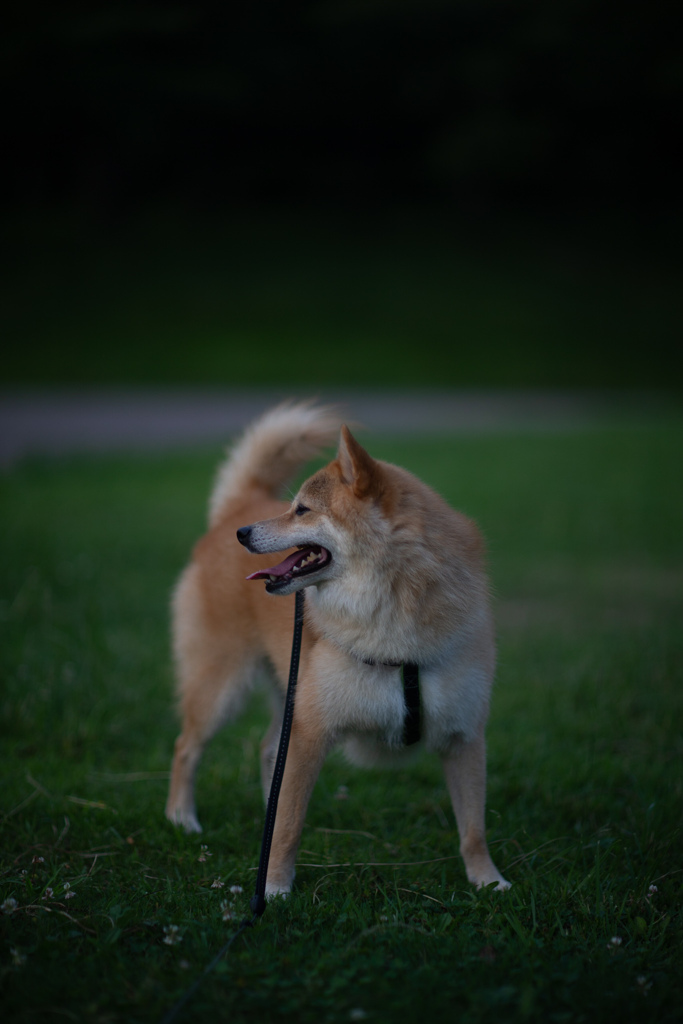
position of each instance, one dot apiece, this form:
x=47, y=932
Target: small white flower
x=48, y=894
x=69, y=895
x=18, y=958
x=204, y=854
x=38, y=860
x=614, y=942
x=217, y=884
x=9, y=906
x=644, y=985
x=357, y=1014
x=652, y=890
x=171, y=936
x=236, y=889
x=228, y=914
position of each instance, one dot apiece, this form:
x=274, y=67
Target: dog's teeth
x=308, y=561
x=273, y=578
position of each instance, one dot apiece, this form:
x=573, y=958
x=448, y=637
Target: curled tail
x=271, y=451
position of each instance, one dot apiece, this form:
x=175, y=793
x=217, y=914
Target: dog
x=393, y=577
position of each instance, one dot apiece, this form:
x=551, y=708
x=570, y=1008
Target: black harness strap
x=410, y=674
x=411, y=694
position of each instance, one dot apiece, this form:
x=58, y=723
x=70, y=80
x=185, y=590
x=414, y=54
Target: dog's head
x=332, y=520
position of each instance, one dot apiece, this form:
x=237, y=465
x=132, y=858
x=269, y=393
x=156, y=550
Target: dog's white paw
x=273, y=891
x=187, y=819
x=485, y=874
x=497, y=882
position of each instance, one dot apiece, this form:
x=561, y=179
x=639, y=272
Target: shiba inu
x=393, y=577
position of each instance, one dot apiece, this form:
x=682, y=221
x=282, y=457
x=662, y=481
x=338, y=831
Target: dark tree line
x=478, y=101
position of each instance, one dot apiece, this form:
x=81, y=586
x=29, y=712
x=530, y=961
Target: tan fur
x=406, y=582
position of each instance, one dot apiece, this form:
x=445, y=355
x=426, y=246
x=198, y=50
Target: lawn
x=109, y=914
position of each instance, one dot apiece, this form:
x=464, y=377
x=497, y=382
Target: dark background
x=314, y=130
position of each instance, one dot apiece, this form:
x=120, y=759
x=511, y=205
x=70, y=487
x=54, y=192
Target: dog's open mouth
x=304, y=562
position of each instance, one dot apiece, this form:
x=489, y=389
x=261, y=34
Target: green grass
x=389, y=298
x=585, y=782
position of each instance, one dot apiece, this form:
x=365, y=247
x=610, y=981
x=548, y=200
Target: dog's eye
x=300, y=510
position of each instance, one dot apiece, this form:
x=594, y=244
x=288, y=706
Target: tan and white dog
x=393, y=575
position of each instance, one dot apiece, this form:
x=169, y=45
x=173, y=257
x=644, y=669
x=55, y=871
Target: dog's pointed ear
x=358, y=469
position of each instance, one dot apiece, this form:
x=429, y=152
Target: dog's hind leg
x=215, y=669
x=465, y=770
x=215, y=698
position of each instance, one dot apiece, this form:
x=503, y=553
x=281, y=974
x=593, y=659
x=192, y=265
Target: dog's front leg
x=465, y=770
x=308, y=746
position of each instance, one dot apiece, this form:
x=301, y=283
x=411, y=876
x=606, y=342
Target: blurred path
x=57, y=422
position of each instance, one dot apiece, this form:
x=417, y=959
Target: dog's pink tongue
x=278, y=570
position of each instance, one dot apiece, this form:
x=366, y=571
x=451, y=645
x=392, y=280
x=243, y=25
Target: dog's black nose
x=243, y=534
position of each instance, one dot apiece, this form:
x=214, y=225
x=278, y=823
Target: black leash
x=258, y=900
